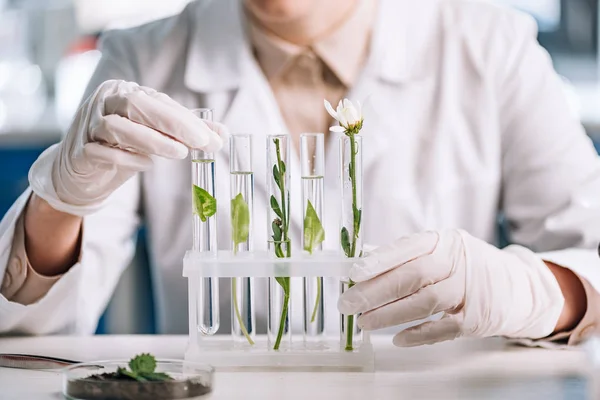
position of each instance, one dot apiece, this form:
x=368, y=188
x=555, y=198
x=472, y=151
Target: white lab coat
x=467, y=118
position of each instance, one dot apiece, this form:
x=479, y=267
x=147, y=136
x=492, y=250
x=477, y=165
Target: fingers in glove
x=159, y=112
x=120, y=132
x=223, y=133
x=430, y=332
x=110, y=156
x=426, y=302
x=400, y=252
x=399, y=283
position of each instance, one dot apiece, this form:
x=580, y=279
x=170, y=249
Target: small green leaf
x=275, y=207
x=282, y=168
x=277, y=233
x=205, y=205
x=240, y=220
x=129, y=374
x=279, y=251
x=143, y=363
x=314, y=234
x=357, y=219
x=276, y=176
x=155, y=376
x=285, y=284
x=345, y=241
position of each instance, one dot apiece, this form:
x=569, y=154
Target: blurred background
x=48, y=53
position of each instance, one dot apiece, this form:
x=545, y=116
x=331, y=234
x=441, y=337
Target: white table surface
x=455, y=370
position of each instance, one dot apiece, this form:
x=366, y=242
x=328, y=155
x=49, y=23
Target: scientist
x=467, y=119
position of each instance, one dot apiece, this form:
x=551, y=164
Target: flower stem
x=237, y=311
x=288, y=253
x=317, y=301
x=349, y=332
x=356, y=225
x=284, y=313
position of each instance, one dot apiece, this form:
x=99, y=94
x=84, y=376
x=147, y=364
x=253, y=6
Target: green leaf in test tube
x=314, y=234
x=205, y=205
x=240, y=220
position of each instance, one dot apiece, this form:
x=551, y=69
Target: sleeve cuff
x=22, y=284
x=587, y=327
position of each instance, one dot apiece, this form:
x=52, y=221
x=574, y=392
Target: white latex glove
x=483, y=291
x=114, y=135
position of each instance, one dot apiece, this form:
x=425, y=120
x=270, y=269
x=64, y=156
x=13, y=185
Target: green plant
x=349, y=243
x=314, y=235
x=142, y=369
x=240, y=230
x=280, y=227
x=205, y=205
x=350, y=119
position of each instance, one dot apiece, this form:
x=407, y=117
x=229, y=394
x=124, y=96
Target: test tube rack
x=223, y=353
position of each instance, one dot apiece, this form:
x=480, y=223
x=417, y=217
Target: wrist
x=52, y=237
x=575, y=305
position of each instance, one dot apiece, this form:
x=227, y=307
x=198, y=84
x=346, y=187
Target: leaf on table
x=314, y=234
x=125, y=373
x=143, y=363
x=240, y=220
x=155, y=376
x=205, y=205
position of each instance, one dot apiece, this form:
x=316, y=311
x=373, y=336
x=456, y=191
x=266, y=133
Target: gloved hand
x=114, y=135
x=483, y=291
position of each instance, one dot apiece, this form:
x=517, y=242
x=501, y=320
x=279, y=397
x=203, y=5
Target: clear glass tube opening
x=204, y=238
x=241, y=210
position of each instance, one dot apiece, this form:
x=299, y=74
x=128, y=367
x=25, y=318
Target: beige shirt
x=300, y=77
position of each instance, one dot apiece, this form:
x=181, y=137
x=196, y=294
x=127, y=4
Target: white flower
x=349, y=116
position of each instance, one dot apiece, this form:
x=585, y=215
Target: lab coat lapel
x=391, y=68
x=222, y=68
x=377, y=87
x=254, y=110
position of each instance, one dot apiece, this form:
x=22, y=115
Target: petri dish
x=90, y=381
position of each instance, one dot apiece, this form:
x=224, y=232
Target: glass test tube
x=278, y=182
x=242, y=200
x=205, y=230
x=351, y=224
x=312, y=156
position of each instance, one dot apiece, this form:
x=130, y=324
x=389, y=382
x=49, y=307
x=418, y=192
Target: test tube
x=351, y=224
x=312, y=156
x=205, y=230
x=279, y=243
x=242, y=200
